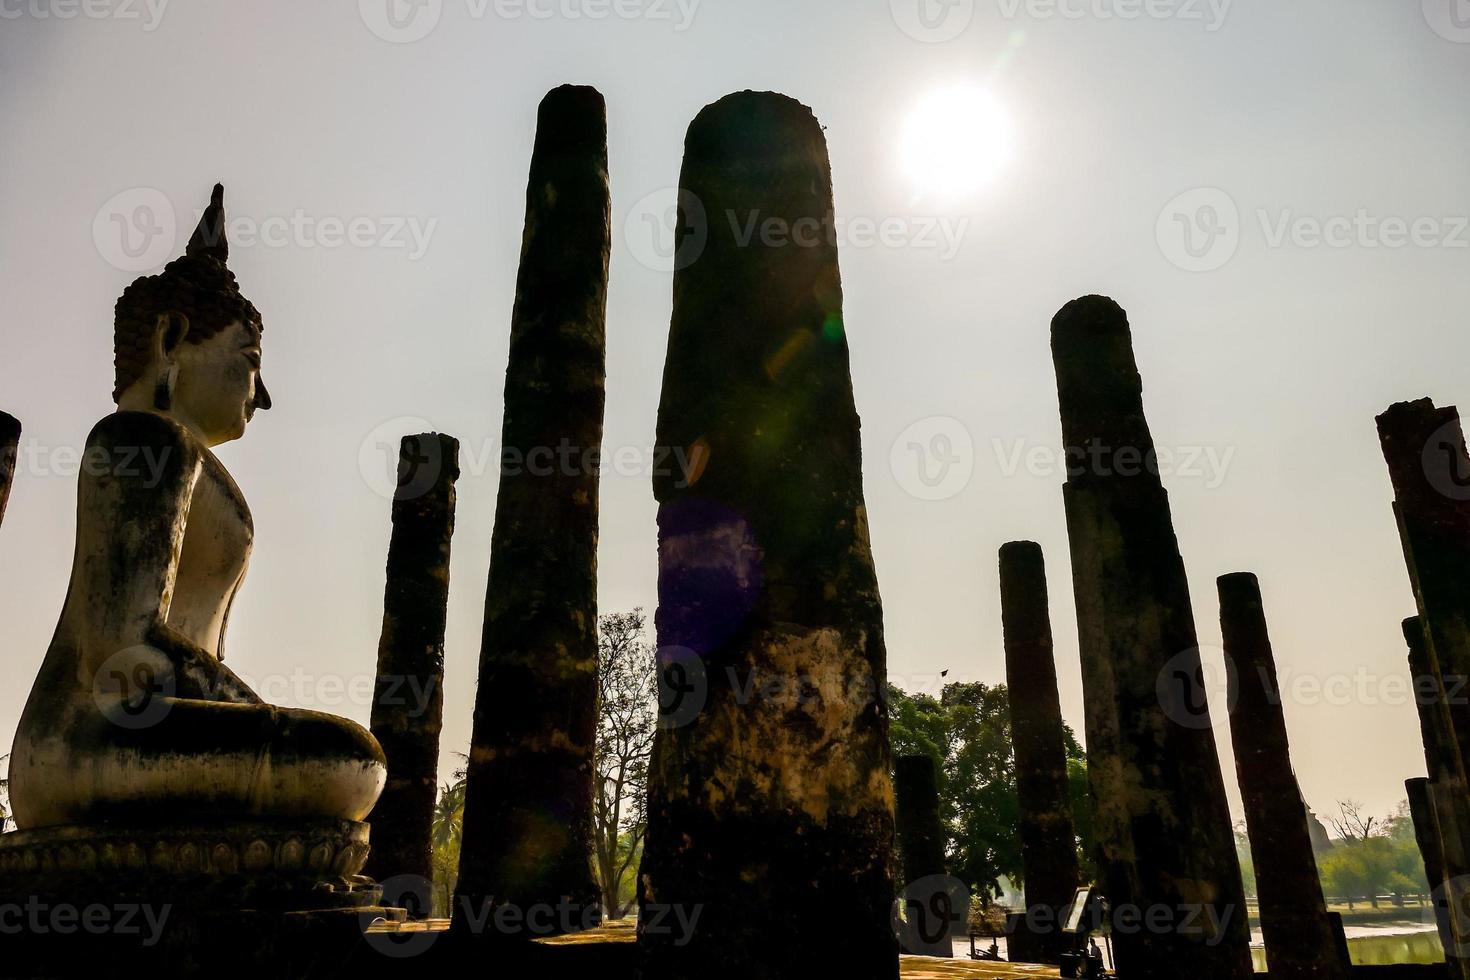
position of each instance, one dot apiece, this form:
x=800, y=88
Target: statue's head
x=187, y=343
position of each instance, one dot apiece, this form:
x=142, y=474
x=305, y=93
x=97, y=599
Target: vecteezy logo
x=401, y=21
x=1445, y=464
x=1199, y=231
x=932, y=21
x=134, y=688
x=667, y=229
x=377, y=458
x=683, y=686
x=929, y=913
x=1189, y=683
x=1450, y=19
x=934, y=458
x=135, y=230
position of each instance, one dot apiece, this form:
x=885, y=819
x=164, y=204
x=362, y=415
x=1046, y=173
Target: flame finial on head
x=209, y=238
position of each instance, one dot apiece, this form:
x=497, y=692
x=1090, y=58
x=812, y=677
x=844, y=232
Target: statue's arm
x=137, y=482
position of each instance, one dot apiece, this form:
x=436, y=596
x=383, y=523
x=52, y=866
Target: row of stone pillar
x=1429, y=468
x=1165, y=844
x=770, y=814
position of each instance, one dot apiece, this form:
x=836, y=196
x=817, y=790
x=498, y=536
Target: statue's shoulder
x=124, y=443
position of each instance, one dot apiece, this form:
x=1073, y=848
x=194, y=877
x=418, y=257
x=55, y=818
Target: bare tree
x=1350, y=824
x=627, y=716
x=4, y=801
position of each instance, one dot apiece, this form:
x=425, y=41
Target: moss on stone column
x=770, y=800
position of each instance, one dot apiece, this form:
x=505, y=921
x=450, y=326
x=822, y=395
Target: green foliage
x=1384, y=861
x=967, y=731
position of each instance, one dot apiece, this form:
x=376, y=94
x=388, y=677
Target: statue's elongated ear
x=168, y=333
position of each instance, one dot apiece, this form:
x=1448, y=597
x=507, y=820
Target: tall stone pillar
x=528, y=804
x=9, y=447
x=770, y=802
x=1426, y=835
x=1165, y=835
x=1300, y=941
x=408, y=701
x=1048, y=836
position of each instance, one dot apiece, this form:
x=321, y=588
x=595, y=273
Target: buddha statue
x=134, y=721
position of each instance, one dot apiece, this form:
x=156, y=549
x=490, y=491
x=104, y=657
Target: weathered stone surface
x=9, y=446
x=528, y=807
x=1300, y=942
x=1163, y=826
x=408, y=702
x=1426, y=835
x=770, y=801
x=1424, y=447
x=1048, y=836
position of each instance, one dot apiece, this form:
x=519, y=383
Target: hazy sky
x=375, y=169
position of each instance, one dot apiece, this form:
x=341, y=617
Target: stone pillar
x=408, y=702
x=920, y=827
x=1426, y=835
x=9, y=446
x=770, y=802
x=1048, y=837
x=1300, y=941
x=1445, y=800
x=1164, y=829
x=921, y=841
x=528, y=804
x=1427, y=463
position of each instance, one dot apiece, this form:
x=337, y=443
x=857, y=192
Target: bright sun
x=955, y=142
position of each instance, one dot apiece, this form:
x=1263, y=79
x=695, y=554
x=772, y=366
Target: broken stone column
x=408, y=700
x=1300, y=941
x=1166, y=842
x=1446, y=804
x=1048, y=837
x=919, y=825
x=921, y=845
x=1426, y=835
x=1424, y=447
x=528, y=803
x=9, y=447
x=770, y=801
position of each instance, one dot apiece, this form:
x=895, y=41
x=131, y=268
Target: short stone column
x=1300, y=941
x=1048, y=836
x=770, y=797
x=528, y=803
x=921, y=839
x=1165, y=836
x=408, y=699
x=9, y=448
x=1426, y=835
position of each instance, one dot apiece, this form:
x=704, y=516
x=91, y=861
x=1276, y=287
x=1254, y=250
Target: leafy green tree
x=967, y=731
x=627, y=716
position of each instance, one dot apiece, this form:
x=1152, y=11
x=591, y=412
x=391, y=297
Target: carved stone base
x=277, y=866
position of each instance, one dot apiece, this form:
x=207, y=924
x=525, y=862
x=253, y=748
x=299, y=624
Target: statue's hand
x=198, y=675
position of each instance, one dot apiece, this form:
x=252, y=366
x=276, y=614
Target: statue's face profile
x=216, y=384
